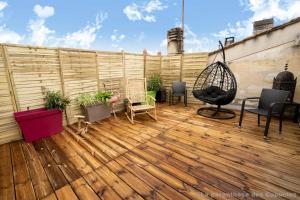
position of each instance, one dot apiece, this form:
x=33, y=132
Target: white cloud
x=132, y=12
x=150, y=18
x=116, y=39
x=154, y=5
x=194, y=43
x=138, y=13
x=3, y=5
x=280, y=10
x=39, y=32
x=85, y=36
x=43, y=12
x=9, y=36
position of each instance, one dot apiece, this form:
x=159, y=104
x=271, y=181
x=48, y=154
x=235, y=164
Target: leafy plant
x=89, y=99
x=55, y=100
x=86, y=99
x=103, y=96
x=154, y=83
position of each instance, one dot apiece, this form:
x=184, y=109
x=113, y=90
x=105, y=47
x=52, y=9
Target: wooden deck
x=182, y=156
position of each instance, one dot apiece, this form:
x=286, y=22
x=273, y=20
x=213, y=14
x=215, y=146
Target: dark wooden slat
x=22, y=181
x=41, y=184
x=83, y=190
x=135, y=183
x=66, y=193
x=6, y=174
x=55, y=175
x=103, y=190
x=67, y=168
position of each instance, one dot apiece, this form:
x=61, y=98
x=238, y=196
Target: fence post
x=63, y=88
x=145, y=62
x=10, y=79
x=160, y=62
x=181, y=66
x=97, y=71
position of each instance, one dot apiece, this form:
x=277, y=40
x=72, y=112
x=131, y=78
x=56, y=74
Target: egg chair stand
x=216, y=85
x=216, y=112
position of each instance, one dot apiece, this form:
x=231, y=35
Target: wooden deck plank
x=41, y=184
x=181, y=156
x=66, y=193
x=159, y=185
x=135, y=183
x=83, y=190
x=7, y=190
x=55, y=175
x=103, y=190
x=22, y=181
x=117, y=184
x=68, y=169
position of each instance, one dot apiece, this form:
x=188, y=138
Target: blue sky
x=134, y=25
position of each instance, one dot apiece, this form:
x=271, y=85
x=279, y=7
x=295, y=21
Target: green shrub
x=86, y=99
x=89, y=99
x=55, y=100
x=154, y=83
x=103, y=96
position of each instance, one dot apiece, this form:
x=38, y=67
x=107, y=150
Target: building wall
x=257, y=61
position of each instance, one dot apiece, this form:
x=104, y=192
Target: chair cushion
x=214, y=95
x=142, y=107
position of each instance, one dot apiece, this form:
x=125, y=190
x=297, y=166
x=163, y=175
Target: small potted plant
x=95, y=107
x=43, y=122
x=156, y=89
x=154, y=85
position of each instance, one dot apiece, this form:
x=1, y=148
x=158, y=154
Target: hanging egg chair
x=216, y=85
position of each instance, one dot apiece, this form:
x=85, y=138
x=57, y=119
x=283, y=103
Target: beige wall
x=257, y=61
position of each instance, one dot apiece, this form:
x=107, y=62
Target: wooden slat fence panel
x=170, y=70
x=79, y=75
x=111, y=73
x=152, y=65
x=8, y=128
x=134, y=65
x=34, y=70
x=193, y=64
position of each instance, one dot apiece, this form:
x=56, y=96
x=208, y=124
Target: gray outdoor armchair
x=178, y=89
x=271, y=103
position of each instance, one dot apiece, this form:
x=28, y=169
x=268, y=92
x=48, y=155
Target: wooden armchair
x=138, y=100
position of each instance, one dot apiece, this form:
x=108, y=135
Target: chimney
x=262, y=25
x=228, y=41
x=174, y=38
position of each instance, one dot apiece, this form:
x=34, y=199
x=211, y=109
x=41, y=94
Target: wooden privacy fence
x=27, y=72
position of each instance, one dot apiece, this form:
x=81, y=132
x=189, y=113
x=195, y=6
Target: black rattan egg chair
x=216, y=85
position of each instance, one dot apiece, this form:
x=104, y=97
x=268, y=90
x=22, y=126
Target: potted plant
x=43, y=122
x=154, y=85
x=95, y=107
x=156, y=89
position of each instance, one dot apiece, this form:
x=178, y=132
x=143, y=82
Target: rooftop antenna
x=182, y=26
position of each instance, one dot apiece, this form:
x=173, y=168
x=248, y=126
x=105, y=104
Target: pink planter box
x=39, y=123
